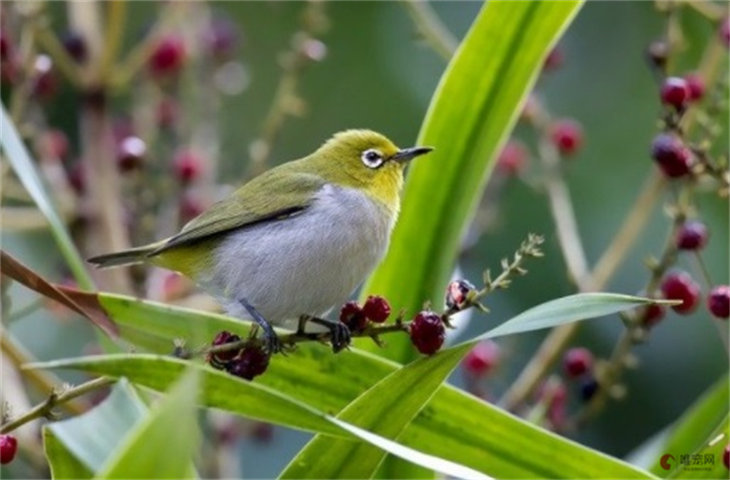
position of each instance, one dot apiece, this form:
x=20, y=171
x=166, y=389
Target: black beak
x=410, y=153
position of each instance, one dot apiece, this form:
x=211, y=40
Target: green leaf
x=62, y=462
x=451, y=426
x=93, y=436
x=695, y=429
x=163, y=444
x=24, y=168
x=471, y=114
x=389, y=406
x=714, y=449
x=226, y=392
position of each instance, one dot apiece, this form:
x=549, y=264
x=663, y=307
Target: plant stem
x=433, y=30
x=43, y=381
x=45, y=409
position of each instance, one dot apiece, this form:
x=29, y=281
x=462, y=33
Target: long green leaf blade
x=19, y=159
x=63, y=464
x=474, y=108
x=451, y=426
x=389, y=406
x=163, y=444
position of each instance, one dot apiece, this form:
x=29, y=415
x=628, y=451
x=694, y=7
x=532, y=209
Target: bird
x=294, y=241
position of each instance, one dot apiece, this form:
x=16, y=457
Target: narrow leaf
x=63, y=464
x=163, y=444
x=471, y=114
x=24, y=168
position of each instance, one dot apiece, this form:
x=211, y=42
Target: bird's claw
x=272, y=343
x=340, y=336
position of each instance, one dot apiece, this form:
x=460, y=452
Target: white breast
x=305, y=264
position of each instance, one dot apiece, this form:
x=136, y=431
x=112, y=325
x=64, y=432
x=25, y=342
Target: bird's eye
x=372, y=158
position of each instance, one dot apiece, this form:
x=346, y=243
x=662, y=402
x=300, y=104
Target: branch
x=432, y=28
x=45, y=409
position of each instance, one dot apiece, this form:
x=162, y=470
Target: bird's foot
x=339, y=333
x=272, y=343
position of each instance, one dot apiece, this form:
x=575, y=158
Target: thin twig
x=43, y=381
x=45, y=409
x=432, y=28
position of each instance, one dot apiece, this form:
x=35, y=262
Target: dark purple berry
x=657, y=53
x=725, y=38
x=457, y=293
x=376, y=309
x=427, y=332
x=692, y=235
x=252, y=362
x=577, y=361
x=75, y=45
x=481, y=359
x=220, y=360
x=567, y=136
x=8, y=448
x=168, y=57
x=353, y=316
x=588, y=388
x=5, y=48
x=221, y=38
x=680, y=286
x=43, y=79
x=675, y=92
x=130, y=153
x=718, y=302
x=672, y=156
x=726, y=456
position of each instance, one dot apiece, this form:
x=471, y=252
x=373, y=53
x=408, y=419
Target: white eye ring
x=372, y=158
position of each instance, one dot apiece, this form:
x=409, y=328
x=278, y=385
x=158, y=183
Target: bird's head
x=366, y=160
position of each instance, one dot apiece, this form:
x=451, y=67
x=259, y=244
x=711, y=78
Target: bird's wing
x=268, y=197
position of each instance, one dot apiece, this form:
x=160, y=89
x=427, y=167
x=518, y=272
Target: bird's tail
x=125, y=257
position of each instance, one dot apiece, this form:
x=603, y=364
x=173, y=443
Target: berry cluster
x=357, y=318
x=246, y=362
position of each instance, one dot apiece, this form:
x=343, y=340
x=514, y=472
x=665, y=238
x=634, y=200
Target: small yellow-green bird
x=297, y=239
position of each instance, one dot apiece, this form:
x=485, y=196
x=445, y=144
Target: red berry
x=77, y=177
x=262, y=432
x=191, y=205
x=567, y=136
x=43, y=79
x=167, y=112
x=168, y=56
x=577, y=361
x=672, y=156
x=221, y=38
x=52, y=143
x=457, y=293
x=376, y=309
x=75, y=45
x=652, y=315
x=513, y=158
x=4, y=46
x=726, y=456
x=692, y=235
x=188, y=165
x=696, y=86
x=252, y=361
x=352, y=315
x=718, y=302
x=427, y=332
x=658, y=53
x=681, y=286
x=482, y=358
x=554, y=60
x=675, y=92
x=130, y=153
x=8, y=447
x=725, y=33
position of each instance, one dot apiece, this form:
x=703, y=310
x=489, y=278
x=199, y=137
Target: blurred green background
x=378, y=74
